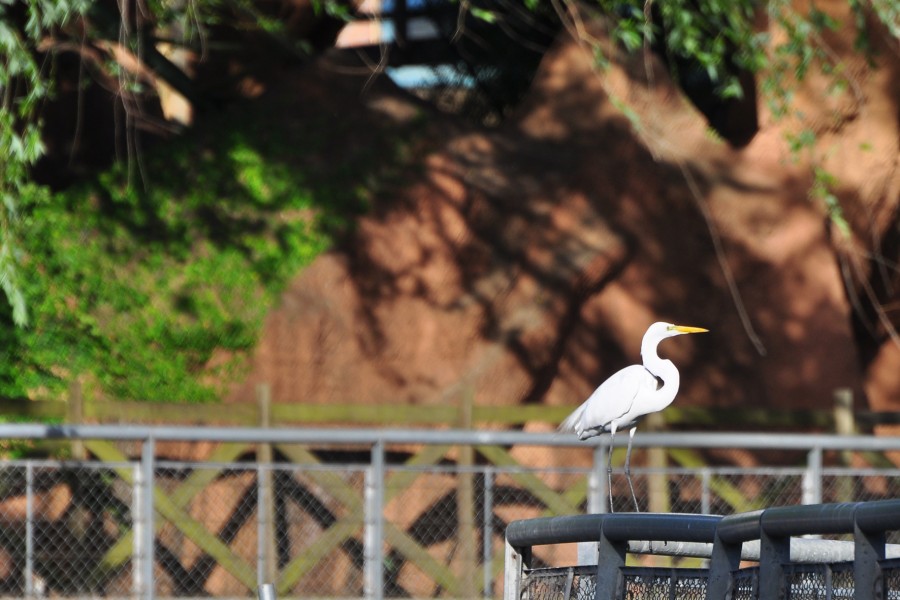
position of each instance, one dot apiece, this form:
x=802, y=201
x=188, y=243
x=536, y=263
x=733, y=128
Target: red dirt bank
x=524, y=263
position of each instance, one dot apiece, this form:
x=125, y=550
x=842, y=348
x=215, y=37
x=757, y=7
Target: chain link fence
x=57, y=521
x=420, y=516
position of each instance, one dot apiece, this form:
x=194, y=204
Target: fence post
x=843, y=412
x=487, y=529
x=138, y=523
x=29, y=530
x=659, y=499
x=267, y=565
x=516, y=560
x=148, y=551
x=597, y=481
x=844, y=424
x=261, y=529
x=266, y=591
x=75, y=410
x=657, y=479
x=596, y=502
x=705, y=496
x=812, y=477
x=465, y=503
x=373, y=583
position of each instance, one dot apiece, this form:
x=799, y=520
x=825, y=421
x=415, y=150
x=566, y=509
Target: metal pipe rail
x=767, y=536
x=370, y=436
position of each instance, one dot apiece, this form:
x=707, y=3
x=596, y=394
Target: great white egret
x=628, y=395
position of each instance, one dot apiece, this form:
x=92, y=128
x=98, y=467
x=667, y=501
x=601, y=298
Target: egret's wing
x=615, y=399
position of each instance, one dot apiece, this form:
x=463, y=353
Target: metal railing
x=340, y=513
x=788, y=566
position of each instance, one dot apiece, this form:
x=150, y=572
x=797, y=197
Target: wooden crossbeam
x=331, y=538
x=557, y=503
x=408, y=547
x=401, y=480
x=348, y=526
x=120, y=552
x=206, y=541
x=722, y=488
x=330, y=481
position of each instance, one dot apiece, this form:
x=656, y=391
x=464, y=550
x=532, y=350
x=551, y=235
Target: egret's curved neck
x=663, y=369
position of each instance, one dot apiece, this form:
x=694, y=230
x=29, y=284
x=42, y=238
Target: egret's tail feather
x=573, y=421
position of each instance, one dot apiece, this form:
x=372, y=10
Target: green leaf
x=732, y=89
x=485, y=15
x=630, y=38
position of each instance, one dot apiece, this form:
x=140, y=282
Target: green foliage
x=487, y=16
x=23, y=86
x=710, y=35
x=136, y=281
x=887, y=11
x=137, y=286
x=706, y=33
x=822, y=188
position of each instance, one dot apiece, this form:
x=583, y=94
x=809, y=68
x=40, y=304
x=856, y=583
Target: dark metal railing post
x=731, y=533
x=611, y=559
x=724, y=560
x=868, y=549
x=774, y=552
x=870, y=520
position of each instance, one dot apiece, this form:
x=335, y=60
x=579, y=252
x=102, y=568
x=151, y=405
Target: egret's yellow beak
x=686, y=329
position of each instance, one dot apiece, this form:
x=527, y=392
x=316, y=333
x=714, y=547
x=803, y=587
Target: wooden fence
x=842, y=418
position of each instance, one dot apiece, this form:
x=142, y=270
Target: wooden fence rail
x=78, y=408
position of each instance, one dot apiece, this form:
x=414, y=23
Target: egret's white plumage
x=629, y=394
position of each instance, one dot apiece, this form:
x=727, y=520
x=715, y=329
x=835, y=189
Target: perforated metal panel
x=802, y=582
x=842, y=583
x=746, y=584
x=664, y=584
x=891, y=571
x=570, y=583
x=819, y=581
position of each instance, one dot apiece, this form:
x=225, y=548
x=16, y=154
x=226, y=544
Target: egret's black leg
x=628, y=468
